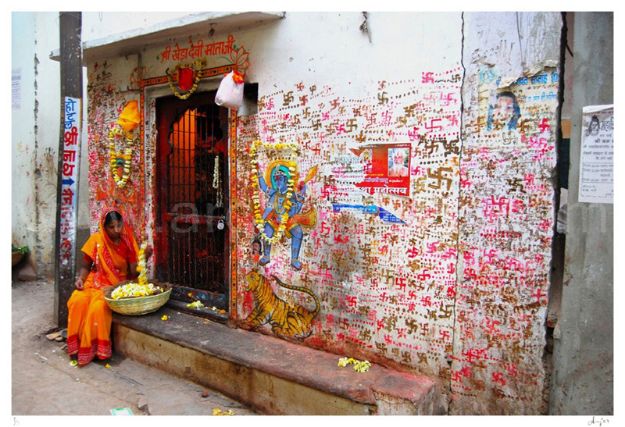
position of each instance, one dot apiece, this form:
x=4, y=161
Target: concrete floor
x=44, y=383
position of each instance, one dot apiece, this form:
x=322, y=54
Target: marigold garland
x=197, y=68
x=283, y=216
x=118, y=158
x=141, y=287
x=142, y=266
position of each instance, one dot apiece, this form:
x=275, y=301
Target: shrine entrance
x=192, y=198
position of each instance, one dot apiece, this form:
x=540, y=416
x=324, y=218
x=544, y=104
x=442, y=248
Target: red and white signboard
x=69, y=182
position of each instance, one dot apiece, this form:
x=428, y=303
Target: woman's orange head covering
x=127, y=233
x=107, y=210
x=105, y=253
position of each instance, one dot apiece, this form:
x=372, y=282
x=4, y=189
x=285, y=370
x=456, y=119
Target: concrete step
x=269, y=374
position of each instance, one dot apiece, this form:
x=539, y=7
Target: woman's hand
x=105, y=290
x=85, y=268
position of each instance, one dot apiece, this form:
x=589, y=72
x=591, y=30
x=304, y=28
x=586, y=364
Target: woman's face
x=504, y=110
x=114, y=229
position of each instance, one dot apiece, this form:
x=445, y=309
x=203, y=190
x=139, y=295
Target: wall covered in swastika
x=381, y=263
x=447, y=274
x=507, y=213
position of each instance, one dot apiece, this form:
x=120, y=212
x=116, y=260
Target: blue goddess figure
x=284, y=207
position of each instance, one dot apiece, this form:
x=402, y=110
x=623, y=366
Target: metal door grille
x=196, y=245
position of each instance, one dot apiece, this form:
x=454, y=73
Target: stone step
x=271, y=375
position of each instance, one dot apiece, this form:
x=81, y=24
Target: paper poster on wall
x=382, y=213
x=387, y=168
x=596, y=177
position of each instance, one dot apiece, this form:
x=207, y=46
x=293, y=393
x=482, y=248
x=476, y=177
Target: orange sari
x=89, y=318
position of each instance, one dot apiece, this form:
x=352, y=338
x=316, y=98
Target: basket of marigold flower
x=135, y=299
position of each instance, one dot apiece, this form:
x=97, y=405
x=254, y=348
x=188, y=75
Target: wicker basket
x=137, y=306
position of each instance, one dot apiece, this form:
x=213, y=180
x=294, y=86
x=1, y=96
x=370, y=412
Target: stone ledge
x=379, y=391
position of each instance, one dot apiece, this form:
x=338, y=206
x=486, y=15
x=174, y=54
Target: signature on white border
x=598, y=421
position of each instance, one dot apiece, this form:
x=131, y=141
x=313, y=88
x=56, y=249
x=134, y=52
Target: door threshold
x=211, y=313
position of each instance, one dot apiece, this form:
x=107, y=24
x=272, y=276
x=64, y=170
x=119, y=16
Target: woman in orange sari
x=109, y=257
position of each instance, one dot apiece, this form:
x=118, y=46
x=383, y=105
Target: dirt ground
x=44, y=382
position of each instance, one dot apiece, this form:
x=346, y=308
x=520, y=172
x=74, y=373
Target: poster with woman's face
x=504, y=113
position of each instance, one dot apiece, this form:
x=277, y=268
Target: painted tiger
x=286, y=319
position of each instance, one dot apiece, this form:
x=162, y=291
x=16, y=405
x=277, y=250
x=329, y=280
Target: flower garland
x=141, y=287
x=197, y=68
x=283, y=216
x=117, y=158
x=141, y=265
x=217, y=183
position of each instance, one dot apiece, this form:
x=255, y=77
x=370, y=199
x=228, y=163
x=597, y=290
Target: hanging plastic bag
x=230, y=92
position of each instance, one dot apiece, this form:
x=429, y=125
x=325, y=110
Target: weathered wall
x=23, y=147
x=444, y=271
x=583, y=347
x=506, y=212
x=35, y=125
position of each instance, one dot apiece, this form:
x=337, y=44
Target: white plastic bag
x=230, y=93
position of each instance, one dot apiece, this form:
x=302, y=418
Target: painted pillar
x=68, y=161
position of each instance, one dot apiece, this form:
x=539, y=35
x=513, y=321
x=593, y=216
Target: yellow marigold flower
x=164, y=317
x=195, y=304
x=362, y=366
x=73, y=362
x=343, y=362
x=359, y=366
